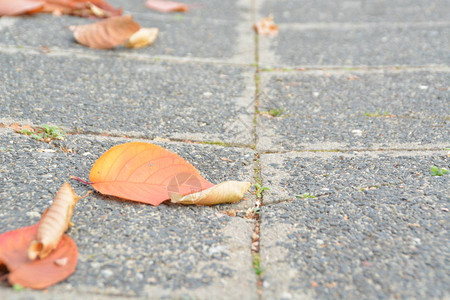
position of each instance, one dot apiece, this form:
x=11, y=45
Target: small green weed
x=18, y=288
x=178, y=17
x=435, y=171
x=260, y=189
x=45, y=133
x=257, y=264
x=305, y=195
x=256, y=210
x=275, y=112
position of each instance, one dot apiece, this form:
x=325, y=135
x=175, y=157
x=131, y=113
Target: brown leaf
x=19, y=7
x=107, y=33
x=166, y=6
x=141, y=38
x=225, y=192
x=82, y=8
x=40, y=273
x=54, y=223
x=266, y=26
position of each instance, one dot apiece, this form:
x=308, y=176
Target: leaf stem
x=80, y=180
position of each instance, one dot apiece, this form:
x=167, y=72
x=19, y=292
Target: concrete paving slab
x=129, y=97
x=378, y=228
x=354, y=110
x=180, y=36
x=129, y=249
x=400, y=174
x=384, y=44
x=311, y=11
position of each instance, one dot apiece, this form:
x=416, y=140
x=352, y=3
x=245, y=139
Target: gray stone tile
x=129, y=249
x=129, y=97
x=357, y=44
x=180, y=36
x=403, y=174
x=333, y=110
x=388, y=240
x=299, y=11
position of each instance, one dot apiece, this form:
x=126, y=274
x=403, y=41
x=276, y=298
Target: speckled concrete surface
x=130, y=249
x=131, y=97
x=353, y=109
x=361, y=89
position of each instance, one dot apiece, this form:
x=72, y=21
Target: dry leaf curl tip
x=225, y=192
x=141, y=38
x=54, y=223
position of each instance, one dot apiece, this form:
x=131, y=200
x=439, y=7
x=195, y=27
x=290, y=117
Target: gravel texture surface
x=351, y=110
x=129, y=97
x=126, y=248
x=341, y=115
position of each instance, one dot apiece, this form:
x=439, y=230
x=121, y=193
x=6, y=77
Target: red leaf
x=39, y=273
x=19, y=7
x=145, y=173
x=166, y=6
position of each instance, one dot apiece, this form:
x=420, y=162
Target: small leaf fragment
x=266, y=26
x=141, y=38
x=107, y=33
x=225, y=192
x=166, y=6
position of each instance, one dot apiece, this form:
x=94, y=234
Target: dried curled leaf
x=225, y=192
x=266, y=26
x=141, y=38
x=54, y=223
x=19, y=7
x=107, y=33
x=145, y=173
x=40, y=273
x=82, y=8
x=166, y=6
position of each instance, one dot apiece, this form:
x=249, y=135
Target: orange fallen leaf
x=19, y=7
x=107, y=33
x=54, y=223
x=40, y=273
x=225, y=192
x=82, y=8
x=141, y=38
x=166, y=6
x=145, y=173
x=266, y=26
